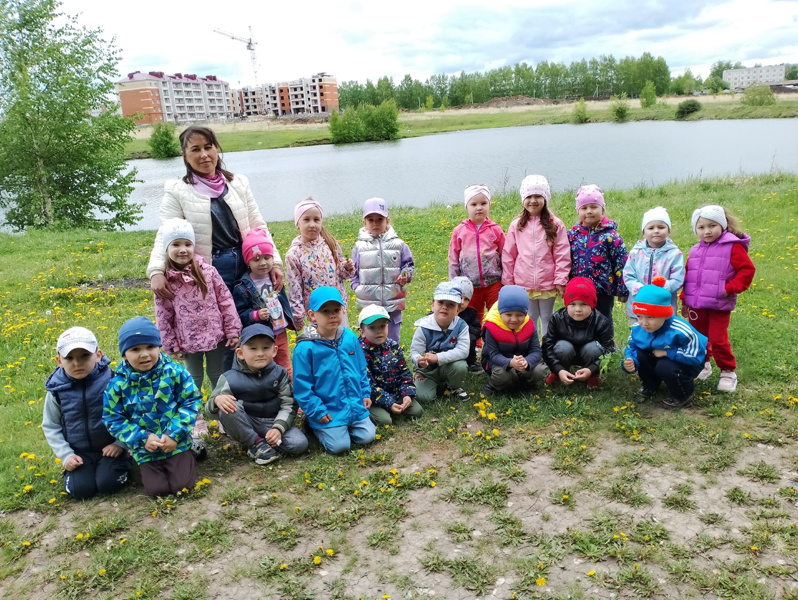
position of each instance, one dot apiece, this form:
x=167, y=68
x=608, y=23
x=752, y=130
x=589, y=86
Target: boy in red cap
x=577, y=334
x=663, y=347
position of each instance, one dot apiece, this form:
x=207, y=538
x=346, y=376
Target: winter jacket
x=379, y=261
x=389, y=375
x=163, y=400
x=266, y=393
x=249, y=302
x=181, y=201
x=73, y=411
x=190, y=323
x=449, y=344
x=599, y=254
x=644, y=263
x=531, y=261
x=596, y=329
x=502, y=343
x=717, y=272
x=310, y=265
x=330, y=377
x=477, y=253
x=681, y=341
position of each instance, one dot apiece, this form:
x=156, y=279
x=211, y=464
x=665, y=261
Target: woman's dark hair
x=546, y=222
x=209, y=135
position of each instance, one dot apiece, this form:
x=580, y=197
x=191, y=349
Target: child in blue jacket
x=331, y=381
x=663, y=347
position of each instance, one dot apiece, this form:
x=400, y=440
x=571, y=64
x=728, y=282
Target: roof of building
x=161, y=76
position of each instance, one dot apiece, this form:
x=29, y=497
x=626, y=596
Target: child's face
x=180, y=252
x=375, y=332
x=79, y=363
x=258, y=352
x=513, y=319
x=651, y=324
x=142, y=357
x=534, y=204
x=578, y=310
x=656, y=233
x=708, y=230
x=327, y=318
x=260, y=266
x=464, y=304
x=309, y=225
x=590, y=214
x=444, y=312
x=376, y=224
x=478, y=208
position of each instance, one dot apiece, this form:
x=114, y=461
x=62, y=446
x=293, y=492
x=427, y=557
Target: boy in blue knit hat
x=663, y=347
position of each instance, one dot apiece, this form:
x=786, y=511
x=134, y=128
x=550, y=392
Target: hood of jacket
x=311, y=334
x=429, y=322
x=365, y=236
x=239, y=364
x=495, y=317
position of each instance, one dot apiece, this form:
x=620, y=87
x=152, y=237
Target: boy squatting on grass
x=255, y=402
x=392, y=389
x=663, y=347
x=151, y=405
x=94, y=462
x=331, y=381
x=440, y=346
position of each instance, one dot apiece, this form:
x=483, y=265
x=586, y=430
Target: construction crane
x=251, y=43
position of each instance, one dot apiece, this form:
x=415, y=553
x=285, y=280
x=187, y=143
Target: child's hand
x=153, y=443
x=226, y=403
x=277, y=276
x=72, y=463
x=406, y=402
x=397, y=408
x=232, y=343
x=659, y=353
x=623, y=299
x=112, y=450
x=273, y=437
x=423, y=363
x=263, y=315
x=518, y=363
x=402, y=279
x=367, y=402
x=349, y=266
x=685, y=312
x=629, y=365
x=167, y=443
x=325, y=419
x=566, y=377
x=582, y=374
x=560, y=290
x=431, y=357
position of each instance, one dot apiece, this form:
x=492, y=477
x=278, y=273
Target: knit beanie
x=589, y=194
x=475, y=190
x=176, y=229
x=256, y=243
x=513, y=298
x=656, y=214
x=653, y=300
x=465, y=285
x=713, y=212
x=535, y=185
x=580, y=288
x=138, y=331
x=304, y=206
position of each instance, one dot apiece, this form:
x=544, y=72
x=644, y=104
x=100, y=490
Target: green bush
x=365, y=124
x=648, y=96
x=580, y=112
x=163, y=141
x=758, y=95
x=687, y=107
x=619, y=106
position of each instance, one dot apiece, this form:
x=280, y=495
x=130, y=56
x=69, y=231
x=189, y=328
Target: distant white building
x=739, y=79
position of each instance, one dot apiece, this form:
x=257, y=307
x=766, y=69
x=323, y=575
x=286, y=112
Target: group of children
x=345, y=384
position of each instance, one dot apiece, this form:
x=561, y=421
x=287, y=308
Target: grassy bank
x=554, y=494
x=275, y=135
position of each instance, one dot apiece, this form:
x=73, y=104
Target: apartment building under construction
x=317, y=94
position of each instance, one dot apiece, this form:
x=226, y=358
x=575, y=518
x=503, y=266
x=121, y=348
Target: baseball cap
x=375, y=206
x=75, y=337
x=448, y=290
x=371, y=313
x=321, y=295
x=250, y=331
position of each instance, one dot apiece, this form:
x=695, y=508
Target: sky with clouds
x=355, y=40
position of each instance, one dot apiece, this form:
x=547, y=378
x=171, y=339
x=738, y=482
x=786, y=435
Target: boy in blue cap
x=663, y=348
x=331, y=380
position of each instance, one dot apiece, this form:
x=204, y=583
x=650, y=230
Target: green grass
x=488, y=475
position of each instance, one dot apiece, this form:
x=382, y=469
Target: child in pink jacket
x=202, y=319
x=537, y=255
x=475, y=250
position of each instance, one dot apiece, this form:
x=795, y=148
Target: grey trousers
x=214, y=365
x=501, y=378
x=568, y=355
x=246, y=429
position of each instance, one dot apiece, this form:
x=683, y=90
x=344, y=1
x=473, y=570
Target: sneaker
x=645, y=393
x=674, y=403
x=475, y=368
x=262, y=453
x=551, y=379
x=593, y=382
x=488, y=391
x=728, y=381
x=199, y=449
x=458, y=394
x=706, y=373
x=200, y=427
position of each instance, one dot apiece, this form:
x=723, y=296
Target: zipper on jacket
x=382, y=272
x=86, y=418
x=479, y=254
x=651, y=266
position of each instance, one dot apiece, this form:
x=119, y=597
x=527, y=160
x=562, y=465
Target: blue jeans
x=246, y=429
x=231, y=266
x=339, y=439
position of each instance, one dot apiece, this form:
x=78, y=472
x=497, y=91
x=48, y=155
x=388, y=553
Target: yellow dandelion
x=540, y=581
x=432, y=484
x=330, y=551
x=101, y=572
x=317, y=560
x=26, y=543
x=590, y=573
x=283, y=567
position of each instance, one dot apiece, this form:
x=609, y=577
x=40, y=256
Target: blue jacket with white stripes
x=676, y=336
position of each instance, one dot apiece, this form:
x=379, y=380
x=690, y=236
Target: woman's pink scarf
x=213, y=186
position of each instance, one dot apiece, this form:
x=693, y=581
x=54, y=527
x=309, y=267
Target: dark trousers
x=678, y=377
x=170, y=475
x=97, y=475
x=231, y=266
x=604, y=305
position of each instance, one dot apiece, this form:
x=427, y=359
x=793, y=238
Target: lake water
x=436, y=168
